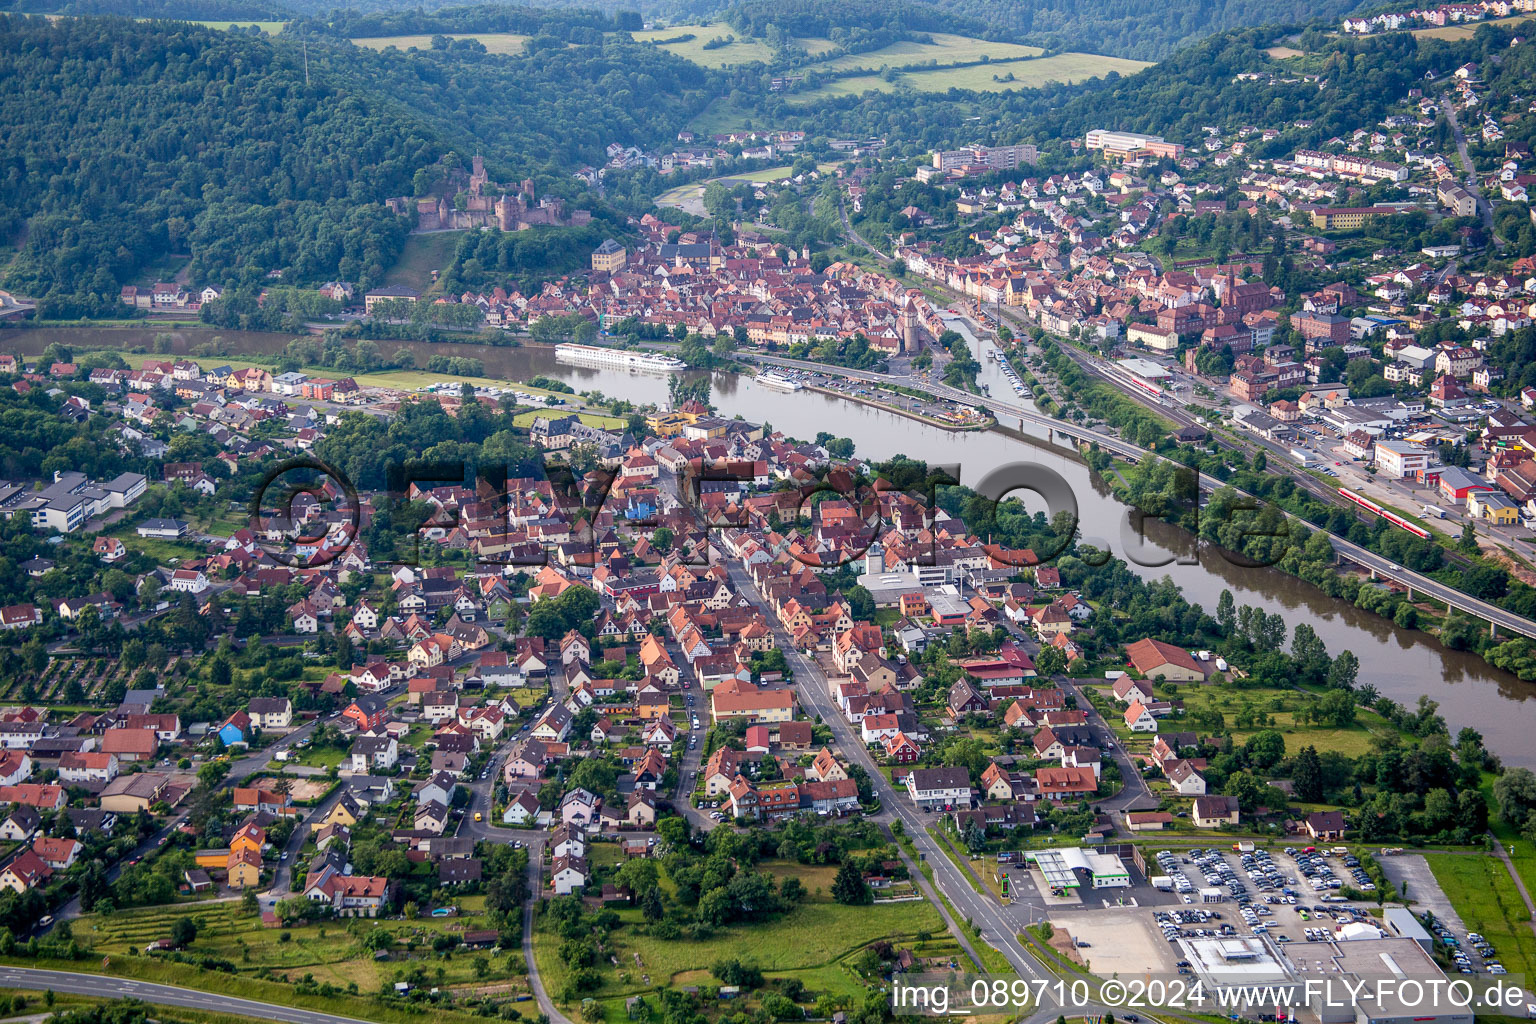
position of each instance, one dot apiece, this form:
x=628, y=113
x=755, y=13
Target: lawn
x=591, y=419
x=495, y=42
x=422, y=255
x=1067, y=68
x=1521, y=851
x=317, y=757
x=527, y=697
x=945, y=49
x=811, y=942
x=160, y=550
x=1484, y=895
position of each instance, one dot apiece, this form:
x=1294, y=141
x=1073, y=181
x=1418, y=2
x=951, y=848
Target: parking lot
x=1117, y=942
x=1290, y=895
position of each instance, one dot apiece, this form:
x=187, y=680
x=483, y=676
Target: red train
x=1387, y=514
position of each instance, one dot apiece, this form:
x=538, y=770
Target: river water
x=1400, y=663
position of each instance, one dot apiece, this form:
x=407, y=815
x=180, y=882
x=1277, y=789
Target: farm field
x=1282, y=52
x=742, y=51
x=495, y=42
x=1068, y=68
x=945, y=48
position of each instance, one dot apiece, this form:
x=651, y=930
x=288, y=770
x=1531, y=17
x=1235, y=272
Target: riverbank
x=897, y=410
x=1401, y=663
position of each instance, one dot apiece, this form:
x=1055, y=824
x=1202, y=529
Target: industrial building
x=1316, y=977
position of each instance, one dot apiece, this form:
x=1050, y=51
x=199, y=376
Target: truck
x=1434, y=510
x=1163, y=883
x=1242, y=847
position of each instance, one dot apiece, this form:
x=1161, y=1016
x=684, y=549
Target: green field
x=1279, y=704
x=742, y=51
x=1455, y=32
x=403, y=380
x=811, y=943
x=495, y=42
x=422, y=255
x=1480, y=889
x=1067, y=68
x=332, y=951
x=945, y=49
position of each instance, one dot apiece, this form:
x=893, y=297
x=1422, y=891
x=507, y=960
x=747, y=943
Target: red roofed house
x=1153, y=658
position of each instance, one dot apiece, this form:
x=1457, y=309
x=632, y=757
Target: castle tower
x=907, y=322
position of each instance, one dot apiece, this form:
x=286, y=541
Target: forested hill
x=1135, y=28
x=127, y=141
x=1175, y=98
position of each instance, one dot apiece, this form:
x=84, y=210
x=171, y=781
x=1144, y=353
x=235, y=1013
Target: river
x=1400, y=663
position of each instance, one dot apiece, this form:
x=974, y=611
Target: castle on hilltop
x=487, y=204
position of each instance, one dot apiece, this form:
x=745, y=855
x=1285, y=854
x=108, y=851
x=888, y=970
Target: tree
x=1226, y=610
x=1265, y=749
x=1344, y=671
x=183, y=932
x=651, y=905
x=1050, y=661
x=1515, y=791
x=849, y=887
x=1307, y=775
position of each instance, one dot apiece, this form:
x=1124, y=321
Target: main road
x=107, y=986
x=1379, y=567
x=991, y=919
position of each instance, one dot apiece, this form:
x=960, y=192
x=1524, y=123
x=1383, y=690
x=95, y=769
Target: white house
x=936, y=788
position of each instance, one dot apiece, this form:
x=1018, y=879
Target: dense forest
x=1133, y=28
x=571, y=26
x=257, y=154
x=188, y=10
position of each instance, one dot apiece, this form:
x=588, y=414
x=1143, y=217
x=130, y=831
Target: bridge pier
x=1373, y=575
x=1493, y=630
x=1410, y=591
